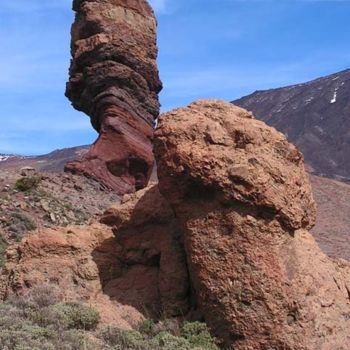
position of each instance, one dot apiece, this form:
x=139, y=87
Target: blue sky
x=207, y=48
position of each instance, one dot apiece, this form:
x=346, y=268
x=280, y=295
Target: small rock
x=45, y=205
x=53, y=217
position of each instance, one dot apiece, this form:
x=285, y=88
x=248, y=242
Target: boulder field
x=224, y=237
x=114, y=79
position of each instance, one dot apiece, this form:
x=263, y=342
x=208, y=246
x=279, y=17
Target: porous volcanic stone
x=244, y=201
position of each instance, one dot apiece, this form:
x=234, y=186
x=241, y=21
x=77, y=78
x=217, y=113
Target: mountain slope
x=332, y=230
x=315, y=116
x=53, y=162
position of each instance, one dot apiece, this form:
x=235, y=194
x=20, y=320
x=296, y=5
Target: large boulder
x=114, y=79
x=244, y=201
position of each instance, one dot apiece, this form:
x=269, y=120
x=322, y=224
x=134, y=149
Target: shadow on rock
x=145, y=265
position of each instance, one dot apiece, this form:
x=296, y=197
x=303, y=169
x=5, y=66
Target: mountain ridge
x=51, y=162
x=310, y=114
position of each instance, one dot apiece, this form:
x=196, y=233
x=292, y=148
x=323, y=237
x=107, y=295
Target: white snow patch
x=4, y=158
x=309, y=99
x=334, y=99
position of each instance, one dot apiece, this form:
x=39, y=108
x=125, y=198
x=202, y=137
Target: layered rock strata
x=114, y=79
x=244, y=201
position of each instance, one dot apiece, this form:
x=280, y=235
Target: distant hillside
x=54, y=161
x=315, y=116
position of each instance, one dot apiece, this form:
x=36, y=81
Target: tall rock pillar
x=114, y=79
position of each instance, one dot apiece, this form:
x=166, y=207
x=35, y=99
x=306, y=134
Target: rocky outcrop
x=136, y=271
x=148, y=232
x=70, y=258
x=225, y=237
x=243, y=199
x=114, y=79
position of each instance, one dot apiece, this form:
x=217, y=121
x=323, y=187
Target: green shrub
x=27, y=183
x=156, y=336
x=20, y=223
x=3, y=247
x=19, y=329
x=76, y=316
x=198, y=335
x=147, y=327
x=39, y=320
x=44, y=295
x=167, y=341
x=125, y=340
x=172, y=326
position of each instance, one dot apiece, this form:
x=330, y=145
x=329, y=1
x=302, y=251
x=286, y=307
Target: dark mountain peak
x=314, y=115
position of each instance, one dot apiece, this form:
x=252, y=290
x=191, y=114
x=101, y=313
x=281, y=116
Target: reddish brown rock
x=71, y=259
x=244, y=201
x=148, y=232
x=138, y=271
x=236, y=203
x=114, y=79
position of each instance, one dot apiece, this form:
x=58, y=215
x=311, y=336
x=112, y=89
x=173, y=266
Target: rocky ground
x=62, y=199
x=332, y=229
x=52, y=162
x=41, y=199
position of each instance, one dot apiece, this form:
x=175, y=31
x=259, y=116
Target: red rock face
x=114, y=79
x=244, y=202
x=225, y=236
x=151, y=244
x=136, y=269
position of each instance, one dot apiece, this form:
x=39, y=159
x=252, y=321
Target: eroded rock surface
x=225, y=237
x=70, y=258
x=244, y=201
x=150, y=237
x=114, y=79
x=137, y=271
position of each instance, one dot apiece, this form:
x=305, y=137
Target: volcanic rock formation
x=244, y=202
x=114, y=79
x=224, y=236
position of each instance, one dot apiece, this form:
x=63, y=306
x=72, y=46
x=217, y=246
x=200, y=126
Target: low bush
x=76, y=315
x=124, y=340
x=27, y=183
x=40, y=320
x=3, y=247
x=198, y=335
x=164, y=335
x=20, y=223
